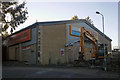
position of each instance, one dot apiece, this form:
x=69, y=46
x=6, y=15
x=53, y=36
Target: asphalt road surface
x=54, y=72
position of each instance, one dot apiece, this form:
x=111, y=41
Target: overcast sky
x=55, y=11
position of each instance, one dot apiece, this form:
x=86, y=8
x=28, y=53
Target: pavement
x=38, y=71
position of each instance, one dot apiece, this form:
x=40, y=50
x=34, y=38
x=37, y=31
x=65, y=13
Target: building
x=50, y=42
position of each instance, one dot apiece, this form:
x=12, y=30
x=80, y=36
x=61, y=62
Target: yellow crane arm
x=91, y=37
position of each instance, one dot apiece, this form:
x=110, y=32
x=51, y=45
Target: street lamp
x=105, y=68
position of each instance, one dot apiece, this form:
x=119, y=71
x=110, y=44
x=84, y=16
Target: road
x=54, y=72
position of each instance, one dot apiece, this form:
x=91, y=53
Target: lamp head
x=97, y=12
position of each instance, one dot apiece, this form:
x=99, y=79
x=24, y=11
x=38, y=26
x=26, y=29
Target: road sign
x=75, y=30
x=61, y=52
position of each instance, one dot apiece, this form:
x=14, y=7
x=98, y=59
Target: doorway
x=17, y=54
x=32, y=57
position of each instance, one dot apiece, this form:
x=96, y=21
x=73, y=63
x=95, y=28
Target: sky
x=56, y=11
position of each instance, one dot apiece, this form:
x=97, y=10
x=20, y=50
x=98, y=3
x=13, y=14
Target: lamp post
x=105, y=68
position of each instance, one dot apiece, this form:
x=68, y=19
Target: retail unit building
x=50, y=42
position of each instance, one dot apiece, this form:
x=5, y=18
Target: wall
x=23, y=51
x=72, y=52
x=106, y=41
x=82, y=24
x=53, y=39
x=12, y=52
x=33, y=38
x=88, y=46
x=27, y=55
x=33, y=44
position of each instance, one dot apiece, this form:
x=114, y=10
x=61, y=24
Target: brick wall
x=53, y=39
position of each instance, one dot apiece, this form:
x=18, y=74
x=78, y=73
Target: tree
x=13, y=14
x=74, y=17
x=89, y=20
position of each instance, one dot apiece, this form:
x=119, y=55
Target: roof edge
x=63, y=21
x=92, y=26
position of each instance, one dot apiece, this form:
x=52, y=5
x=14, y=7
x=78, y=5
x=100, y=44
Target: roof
x=59, y=22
